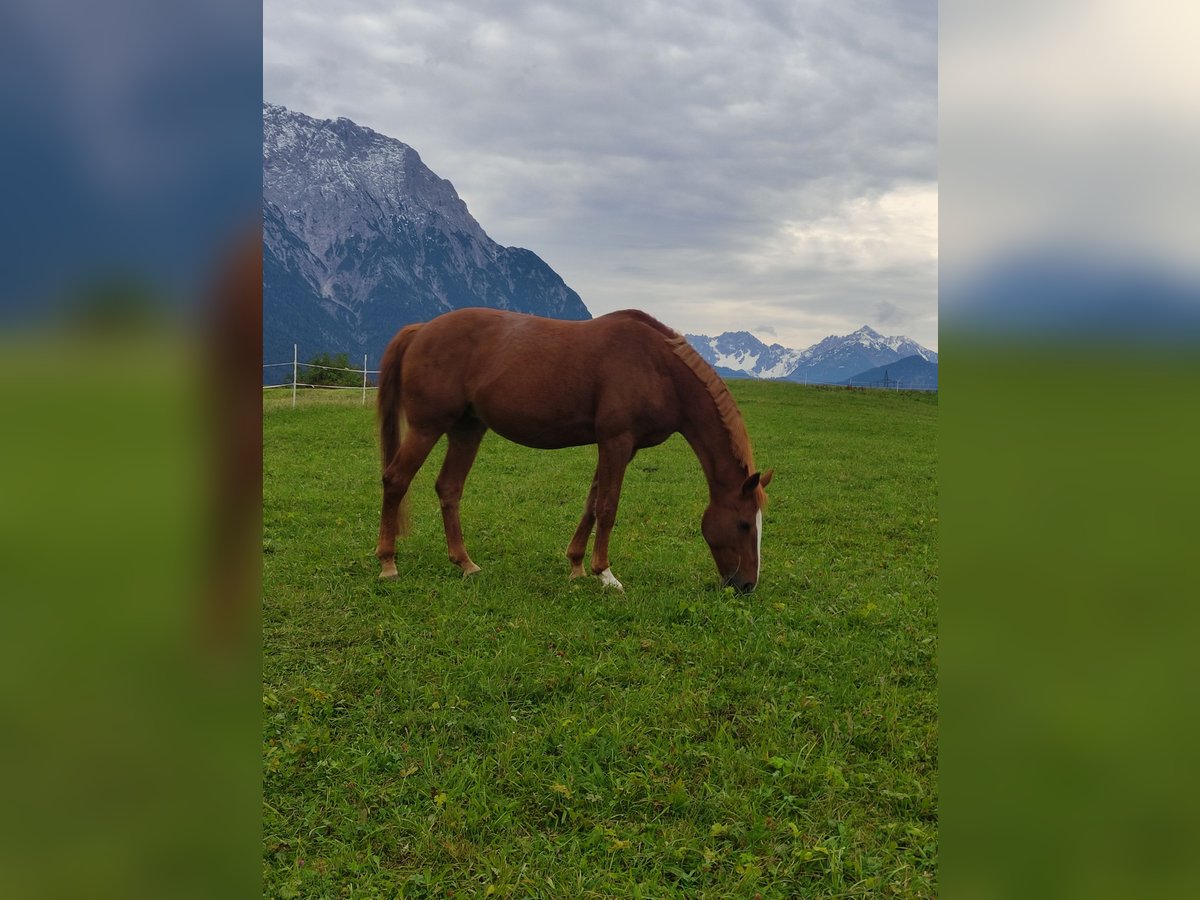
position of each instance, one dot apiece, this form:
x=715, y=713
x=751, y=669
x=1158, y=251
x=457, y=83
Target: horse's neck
x=710, y=441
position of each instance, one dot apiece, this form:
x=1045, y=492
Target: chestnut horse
x=623, y=381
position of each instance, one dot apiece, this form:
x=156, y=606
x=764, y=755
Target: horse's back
x=481, y=342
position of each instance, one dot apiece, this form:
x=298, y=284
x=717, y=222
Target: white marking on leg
x=608, y=579
x=758, y=529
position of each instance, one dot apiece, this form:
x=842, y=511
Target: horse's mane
x=731, y=417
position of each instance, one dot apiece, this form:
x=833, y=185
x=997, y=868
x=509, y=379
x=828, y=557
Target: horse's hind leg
x=396, y=478
x=577, y=549
x=460, y=456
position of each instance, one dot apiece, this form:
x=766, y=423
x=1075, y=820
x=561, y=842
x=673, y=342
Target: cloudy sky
x=755, y=165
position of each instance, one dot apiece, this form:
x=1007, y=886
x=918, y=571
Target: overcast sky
x=757, y=165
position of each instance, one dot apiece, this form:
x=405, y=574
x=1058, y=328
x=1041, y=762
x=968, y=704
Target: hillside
x=910, y=373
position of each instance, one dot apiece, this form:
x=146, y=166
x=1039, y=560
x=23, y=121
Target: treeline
x=330, y=370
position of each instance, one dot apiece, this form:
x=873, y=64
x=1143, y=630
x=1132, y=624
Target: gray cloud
x=716, y=163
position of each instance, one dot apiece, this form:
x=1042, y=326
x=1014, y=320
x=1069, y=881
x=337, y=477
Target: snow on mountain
x=830, y=361
x=743, y=352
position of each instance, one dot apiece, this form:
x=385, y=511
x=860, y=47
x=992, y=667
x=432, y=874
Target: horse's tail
x=392, y=422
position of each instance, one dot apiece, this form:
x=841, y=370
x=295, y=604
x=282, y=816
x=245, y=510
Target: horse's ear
x=758, y=479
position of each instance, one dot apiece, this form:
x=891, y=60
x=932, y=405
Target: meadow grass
x=520, y=734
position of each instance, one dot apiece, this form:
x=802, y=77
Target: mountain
x=360, y=237
x=911, y=373
x=831, y=361
x=836, y=359
x=746, y=354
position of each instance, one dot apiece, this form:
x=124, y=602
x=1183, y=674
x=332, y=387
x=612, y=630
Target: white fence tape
x=330, y=368
x=329, y=387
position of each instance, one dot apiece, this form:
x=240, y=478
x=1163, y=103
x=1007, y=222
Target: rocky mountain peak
x=319, y=172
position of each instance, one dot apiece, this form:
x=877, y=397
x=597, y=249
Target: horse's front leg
x=610, y=472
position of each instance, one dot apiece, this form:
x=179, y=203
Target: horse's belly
x=531, y=431
x=542, y=440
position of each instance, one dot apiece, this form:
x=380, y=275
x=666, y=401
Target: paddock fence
x=295, y=365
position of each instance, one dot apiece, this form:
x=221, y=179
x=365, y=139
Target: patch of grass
x=519, y=734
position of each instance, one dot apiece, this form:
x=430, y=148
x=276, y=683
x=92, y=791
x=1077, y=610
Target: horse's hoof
x=470, y=569
x=388, y=572
x=609, y=580
x=576, y=572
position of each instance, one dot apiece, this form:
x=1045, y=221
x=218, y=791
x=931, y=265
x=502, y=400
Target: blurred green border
x=131, y=751
x=1069, y=491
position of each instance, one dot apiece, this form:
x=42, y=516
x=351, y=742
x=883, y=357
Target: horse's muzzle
x=740, y=584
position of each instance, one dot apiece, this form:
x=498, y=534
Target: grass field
x=519, y=734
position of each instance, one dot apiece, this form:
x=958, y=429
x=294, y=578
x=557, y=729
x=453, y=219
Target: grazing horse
x=623, y=381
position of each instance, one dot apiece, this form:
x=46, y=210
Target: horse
x=623, y=381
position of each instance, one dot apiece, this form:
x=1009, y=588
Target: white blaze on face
x=758, y=532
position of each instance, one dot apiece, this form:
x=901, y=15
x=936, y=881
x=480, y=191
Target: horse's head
x=732, y=525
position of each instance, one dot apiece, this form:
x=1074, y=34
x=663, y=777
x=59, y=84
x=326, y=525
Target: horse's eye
x=743, y=526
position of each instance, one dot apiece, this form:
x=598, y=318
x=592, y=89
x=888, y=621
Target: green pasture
x=519, y=734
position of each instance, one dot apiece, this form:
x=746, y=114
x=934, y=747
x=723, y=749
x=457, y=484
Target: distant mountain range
x=835, y=360
x=361, y=238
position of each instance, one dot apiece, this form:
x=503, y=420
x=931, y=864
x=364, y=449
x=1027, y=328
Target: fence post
x=364, y=403
x=295, y=370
